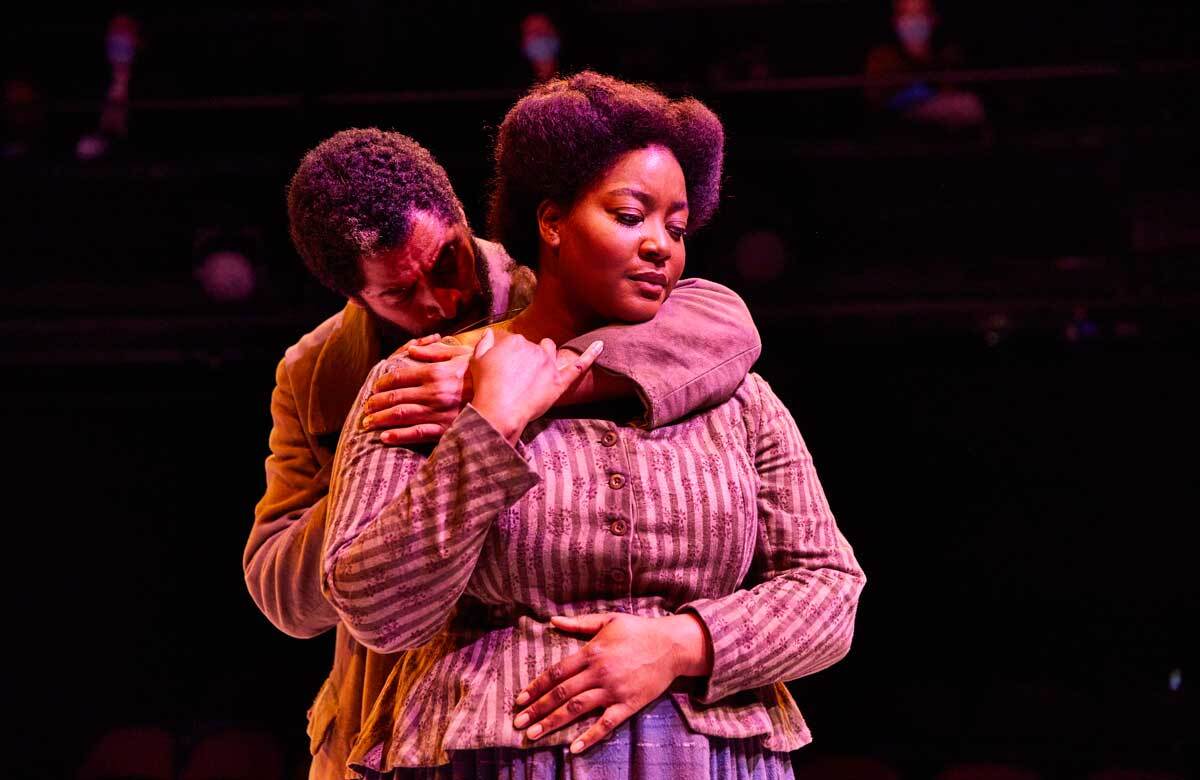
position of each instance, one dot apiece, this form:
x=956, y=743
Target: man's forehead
x=427, y=236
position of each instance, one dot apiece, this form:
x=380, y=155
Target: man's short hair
x=354, y=194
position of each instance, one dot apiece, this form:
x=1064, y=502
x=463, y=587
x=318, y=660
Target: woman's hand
x=628, y=663
x=515, y=381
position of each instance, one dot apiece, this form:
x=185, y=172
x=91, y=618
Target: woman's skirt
x=654, y=744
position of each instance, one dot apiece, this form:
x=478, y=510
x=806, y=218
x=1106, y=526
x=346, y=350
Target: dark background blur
x=988, y=336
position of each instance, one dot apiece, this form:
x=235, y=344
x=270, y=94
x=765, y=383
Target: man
x=374, y=217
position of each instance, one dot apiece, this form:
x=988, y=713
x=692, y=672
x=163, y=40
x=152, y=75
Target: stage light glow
x=227, y=276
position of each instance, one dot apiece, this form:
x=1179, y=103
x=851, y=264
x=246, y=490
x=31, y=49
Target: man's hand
x=414, y=404
x=628, y=663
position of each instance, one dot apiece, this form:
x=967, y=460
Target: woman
x=642, y=594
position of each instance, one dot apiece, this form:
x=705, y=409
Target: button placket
x=614, y=460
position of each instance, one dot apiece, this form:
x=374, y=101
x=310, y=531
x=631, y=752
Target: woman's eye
x=629, y=219
x=676, y=232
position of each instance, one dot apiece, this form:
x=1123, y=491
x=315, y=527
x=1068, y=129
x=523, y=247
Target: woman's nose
x=655, y=247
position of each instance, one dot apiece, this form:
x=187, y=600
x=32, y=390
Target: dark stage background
x=987, y=334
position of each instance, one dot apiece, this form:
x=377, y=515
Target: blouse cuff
x=481, y=437
x=723, y=623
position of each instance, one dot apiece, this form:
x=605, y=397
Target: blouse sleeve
x=799, y=617
x=405, y=531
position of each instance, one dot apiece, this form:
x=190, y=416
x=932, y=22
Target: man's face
x=426, y=284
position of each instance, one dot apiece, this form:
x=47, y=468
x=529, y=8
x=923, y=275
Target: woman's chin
x=636, y=310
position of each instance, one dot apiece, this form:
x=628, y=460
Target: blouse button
x=609, y=438
x=619, y=527
x=616, y=481
x=618, y=575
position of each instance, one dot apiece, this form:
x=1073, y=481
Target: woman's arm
x=404, y=531
x=799, y=618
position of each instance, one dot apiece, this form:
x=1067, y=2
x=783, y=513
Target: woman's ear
x=549, y=217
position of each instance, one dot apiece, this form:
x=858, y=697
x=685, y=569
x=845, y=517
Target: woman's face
x=621, y=245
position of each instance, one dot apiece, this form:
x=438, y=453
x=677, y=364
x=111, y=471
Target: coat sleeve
x=405, y=531
x=798, y=615
x=692, y=355
x=282, y=558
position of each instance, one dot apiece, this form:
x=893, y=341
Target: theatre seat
x=235, y=754
x=986, y=771
x=844, y=768
x=131, y=753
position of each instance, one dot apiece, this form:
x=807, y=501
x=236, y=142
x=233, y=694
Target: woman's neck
x=552, y=315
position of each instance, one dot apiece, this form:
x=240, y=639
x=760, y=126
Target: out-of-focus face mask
x=914, y=31
x=541, y=48
x=120, y=48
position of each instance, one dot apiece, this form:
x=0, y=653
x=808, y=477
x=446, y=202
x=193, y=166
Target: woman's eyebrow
x=646, y=199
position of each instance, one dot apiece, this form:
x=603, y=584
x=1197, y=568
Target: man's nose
x=427, y=303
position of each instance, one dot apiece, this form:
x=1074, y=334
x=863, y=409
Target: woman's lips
x=650, y=283
x=653, y=277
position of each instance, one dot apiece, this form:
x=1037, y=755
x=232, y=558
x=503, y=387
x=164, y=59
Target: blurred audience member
x=917, y=50
x=121, y=45
x=540, y=43
x=24, y=118
x=749, y=61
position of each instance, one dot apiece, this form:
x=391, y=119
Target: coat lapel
x=345, y=360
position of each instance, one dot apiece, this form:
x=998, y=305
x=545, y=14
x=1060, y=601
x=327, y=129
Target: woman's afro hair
x=564, y=134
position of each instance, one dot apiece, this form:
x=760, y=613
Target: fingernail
x=597, y=347
x=366, y=422
x=521, y=720
x=522, y=697
x=577, y=746
x=534, y=731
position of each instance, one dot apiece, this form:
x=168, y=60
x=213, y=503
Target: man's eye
x=446, y=264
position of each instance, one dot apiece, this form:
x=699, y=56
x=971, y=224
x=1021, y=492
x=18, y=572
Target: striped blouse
x=466, y=553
